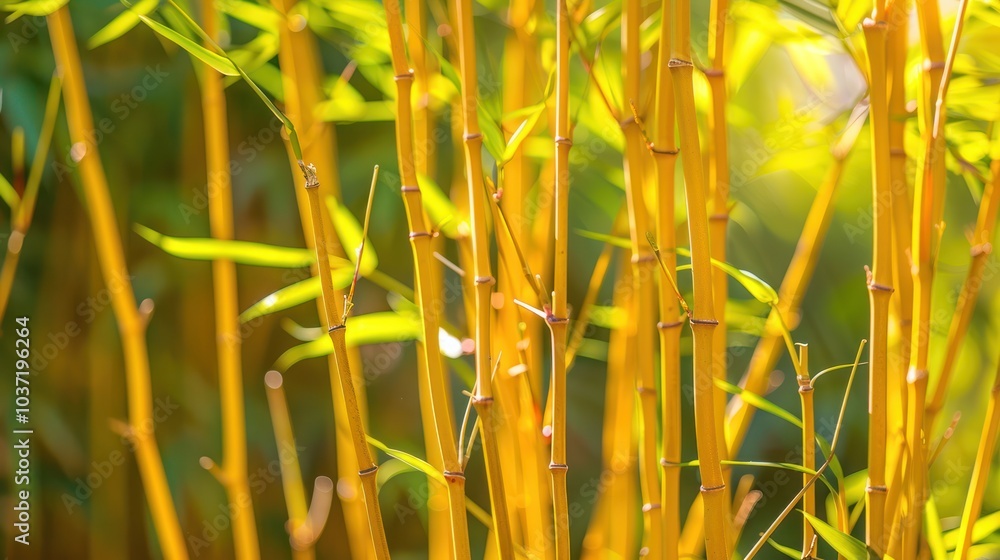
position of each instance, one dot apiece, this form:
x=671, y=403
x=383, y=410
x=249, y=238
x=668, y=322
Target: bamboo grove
x=580, y=216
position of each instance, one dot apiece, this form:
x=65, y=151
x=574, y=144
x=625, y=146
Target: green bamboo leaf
x=492, y=136
x=443, y=213
x=8, y=194
x=522, y=132
x=411, y=460
x=787, y=551
x=850, y=547
x=296, y=294
x=603, y=237
x=122, y=23
x=770, y=465
x=222, y=64
x=986, y=526
x=350, y=233
x=32, y=8
x=758, y=288
x=390, y=470
x=242, y=252
x=372, y=328
x=261, y=16
x=933, y=530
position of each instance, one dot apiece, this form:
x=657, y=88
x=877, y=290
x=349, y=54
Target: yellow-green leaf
x=296, y=294
x=220, y=63
x=122, y=23
x=32, y=8
x=411, y=460
x=242, y=252
x=443, y=213
x=848, y=546
x=372, y=328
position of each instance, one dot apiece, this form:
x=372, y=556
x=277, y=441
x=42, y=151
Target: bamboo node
x=719, y=216
x=645, y=390
x=416, y=234
x=663, y=151
x=713, y=72
x=667, y=326
x=409, y=188
x=679, y=63
x=472, y=136
x=710, y=489
x=368, y=472
x=665, y=463
x=876, y=287
x=649, y=507
x=477, y=399
x=648, y=257
x=336, y=328
x=563, y=141
x=877, y=489
x=711, y=322
x=558, y=467
x=553, y=320
x=485, y=280
x=897, y=152
x=402, y=77
x=453, y=475
x=933, y=64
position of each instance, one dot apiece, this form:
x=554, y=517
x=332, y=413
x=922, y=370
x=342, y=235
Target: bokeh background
x=794, y=89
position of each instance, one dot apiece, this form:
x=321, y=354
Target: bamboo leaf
x=242, y=252
x=787, y=551
x=372, y=328
x=8, y=194
x=222, y=64
x=986, y=526
x=759, y=402
x=411, y=460
x=492, y=137
x=609, y=239
x=390, y=470
x=32, y=8
x=758, y=288
x=522, y=132
x=850, y=547
x=261, y=16
x=443, y=213
x=350, y=233
x=296, y=294
x=933, y=529
x=122, y=23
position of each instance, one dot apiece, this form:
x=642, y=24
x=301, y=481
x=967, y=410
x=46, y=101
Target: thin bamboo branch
x=131, y=320
x=483, y=277
x=227, y=322
x=342, y=375
x=808, y=448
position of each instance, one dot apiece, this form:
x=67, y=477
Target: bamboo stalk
x=132, y=320
x=982, y=237
x=879, y=283
x=980, y=472
x=299, y=530
x=420, y=244
x=643, y=321
x=808, y=448
x=483, y=278
x=342, y=375
x=227, y=322
x=558, y=318
x=928, y=198
x=702, y=320
x=718, y=220
x=664, y=149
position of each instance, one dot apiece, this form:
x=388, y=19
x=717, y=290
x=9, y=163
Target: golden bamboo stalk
x=664, y=149
x=558, y=318
x=132, y=320
x=642, y=323
x=928, y=201
x=341, y=376
x=879, y=283
x=299, y=530
x=980, y=472
x=420, y=244
x=982, y=237
x=808, y=447
x=718, y=220
x=702, y=319
x=227, y=322
x=483, y=277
